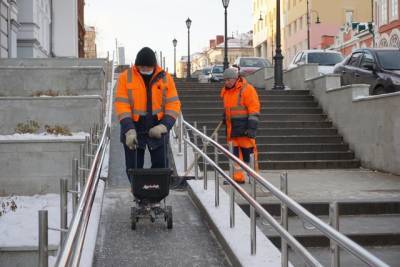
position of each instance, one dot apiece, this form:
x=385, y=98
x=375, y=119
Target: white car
x=249, y=65
x=326, y=59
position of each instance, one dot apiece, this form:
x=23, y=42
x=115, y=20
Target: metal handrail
x=74, y=241
x=70, y=253
x=343, y=241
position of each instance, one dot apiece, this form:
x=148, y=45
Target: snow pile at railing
x=43, y=136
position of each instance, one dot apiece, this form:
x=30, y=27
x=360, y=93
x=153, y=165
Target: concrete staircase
x=294, y=133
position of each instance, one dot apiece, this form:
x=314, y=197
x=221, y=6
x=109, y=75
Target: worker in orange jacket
x=147, y=105
x=241, y=116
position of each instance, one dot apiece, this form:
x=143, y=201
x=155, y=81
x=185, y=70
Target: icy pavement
x=189, y=243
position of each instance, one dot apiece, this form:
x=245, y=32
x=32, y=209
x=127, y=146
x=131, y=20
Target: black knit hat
x=146, y=57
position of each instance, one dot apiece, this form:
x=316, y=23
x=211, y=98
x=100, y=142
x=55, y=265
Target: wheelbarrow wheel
x=169, y=217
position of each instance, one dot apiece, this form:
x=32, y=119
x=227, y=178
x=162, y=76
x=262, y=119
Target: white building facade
x=49, y=28
x=8, y=28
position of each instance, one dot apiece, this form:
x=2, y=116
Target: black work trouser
x=246, y=152
x=159, y=158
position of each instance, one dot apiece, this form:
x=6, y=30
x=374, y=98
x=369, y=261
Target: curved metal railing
x=334, y=235
x=73, y=244
x=71, y=249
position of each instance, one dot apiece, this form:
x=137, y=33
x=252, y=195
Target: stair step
x=263, y=117
x=289, y=131
x=371, y=230
x=216, y=91
x=195, y=103
x=294, y=147
x=212, y=123
x=302, y=164
x=185, y=98
x=322, y=208
x=291, y=156
x=187, y=111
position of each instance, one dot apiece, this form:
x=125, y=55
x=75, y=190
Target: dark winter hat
x=146, y=57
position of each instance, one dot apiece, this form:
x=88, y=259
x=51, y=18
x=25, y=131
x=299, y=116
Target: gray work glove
x=131, y=139
x=157, y=131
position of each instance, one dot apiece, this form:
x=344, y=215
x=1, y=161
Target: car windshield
x=253, y=62
x=218, y=69
x=206, y=71
x=390, y=60
x=325, y=59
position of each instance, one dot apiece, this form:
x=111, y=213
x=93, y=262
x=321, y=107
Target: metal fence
x=187, y=133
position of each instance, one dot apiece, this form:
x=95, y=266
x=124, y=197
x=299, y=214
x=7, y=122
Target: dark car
x=380, y=68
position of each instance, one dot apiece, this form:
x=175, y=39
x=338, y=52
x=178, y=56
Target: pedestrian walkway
x=189, y=243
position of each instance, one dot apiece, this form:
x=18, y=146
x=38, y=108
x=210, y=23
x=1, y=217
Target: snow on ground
x=20, y=227
x=43, y=136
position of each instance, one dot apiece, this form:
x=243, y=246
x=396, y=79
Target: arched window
x=383, y=43
x=394, y=41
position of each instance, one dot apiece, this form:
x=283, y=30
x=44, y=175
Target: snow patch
x=43, y=136
x=19, y=228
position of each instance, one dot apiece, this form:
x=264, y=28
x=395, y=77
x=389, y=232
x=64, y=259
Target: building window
x=349, y=17
x=383, y=43
x=394, y=41
x=394, y=9
x=384, y=12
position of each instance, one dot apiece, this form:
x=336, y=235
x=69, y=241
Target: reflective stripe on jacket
x=131, y=97
x=242, y=108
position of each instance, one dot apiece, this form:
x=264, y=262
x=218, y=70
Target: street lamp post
x=225, y=3
x=174, y=42
x=188, y=23
x=278, y=68
x=308, y=24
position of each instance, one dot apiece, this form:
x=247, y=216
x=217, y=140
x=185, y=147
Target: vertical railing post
x=232, y=191
x=196, y=165
x=253, y=227
x=196, y=155
x=43, y=239
x=180, y=133
x=185, y=155
x=334, y=222
x=216, y=174
x=63, y=209
x=284, y=222
x=205, y=172
x=82, y=166
x=74, y=184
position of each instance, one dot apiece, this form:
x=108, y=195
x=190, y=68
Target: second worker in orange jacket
x=241, y=116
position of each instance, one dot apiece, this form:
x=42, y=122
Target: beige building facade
x=332, y=15
x=90, y=42
x=264, y=27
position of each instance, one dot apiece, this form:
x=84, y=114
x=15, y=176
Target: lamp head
x=188, y=23
x=225, y=3
x=174, y=42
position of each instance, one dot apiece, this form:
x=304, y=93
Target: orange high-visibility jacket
x=131, y=97
x=242, y=109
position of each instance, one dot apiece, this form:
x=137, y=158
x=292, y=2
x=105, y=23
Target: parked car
x=249, y=65
x=216, y=73
x=204, y=76
x=195, y=74
x=379, y=67
x=326, y=59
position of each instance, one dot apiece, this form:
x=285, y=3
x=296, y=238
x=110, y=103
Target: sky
x=155, y=23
